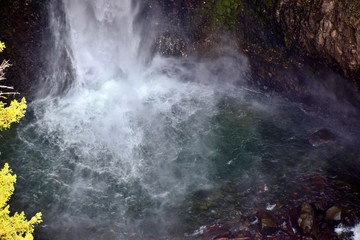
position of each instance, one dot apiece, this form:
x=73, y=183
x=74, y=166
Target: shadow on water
x=264, y=158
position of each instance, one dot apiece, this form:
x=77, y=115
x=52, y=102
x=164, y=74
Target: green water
x=249, y=142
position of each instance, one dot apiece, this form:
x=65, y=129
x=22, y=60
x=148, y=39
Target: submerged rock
x=333, y=214
x=321, y=137
x=268, y=222
x=215, y=231
x=306, y=218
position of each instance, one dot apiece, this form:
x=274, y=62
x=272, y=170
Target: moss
x=227, y=12
x=221, y=12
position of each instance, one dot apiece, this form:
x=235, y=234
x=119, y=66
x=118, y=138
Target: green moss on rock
x=221, y=12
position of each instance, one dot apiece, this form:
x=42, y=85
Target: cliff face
x=267, y=31
x=23, y=26
x=326, y=29
x=289, y=43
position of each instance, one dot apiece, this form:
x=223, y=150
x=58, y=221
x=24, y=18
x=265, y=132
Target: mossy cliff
x=326, y=31
x=267, y=31
x=321, y=29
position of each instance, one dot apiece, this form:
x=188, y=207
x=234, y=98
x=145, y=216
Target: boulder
x=333, y=214
x=306, y=218
x=268, y=223
x=321, y=137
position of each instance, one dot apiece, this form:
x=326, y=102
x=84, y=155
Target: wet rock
x=268, y=222
x=285, y=226
x=24, y=24
x=215, y=231
x=333, y=214
x=350, y=216
x=325, y=29
x=170, y=45
x=321, y=137
x=328, y=232
x=256, y=33
x=263, y=188
x=306, y=218
x=318, y=184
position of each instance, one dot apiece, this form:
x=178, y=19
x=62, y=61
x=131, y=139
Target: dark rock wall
x=323, y=29
x=23, y=26
x=217, y=27
x=267, y=31
x=289, y=43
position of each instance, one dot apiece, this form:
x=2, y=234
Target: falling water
x=127, y=138
x=130, y=146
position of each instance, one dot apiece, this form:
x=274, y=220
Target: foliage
x=12, y=113
x=2, y=46
x=16, y=110
x=15, y=227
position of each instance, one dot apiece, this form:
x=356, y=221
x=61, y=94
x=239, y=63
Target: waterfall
x=121, y=116
x=127, y=138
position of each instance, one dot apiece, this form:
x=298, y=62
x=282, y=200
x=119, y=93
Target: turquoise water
x=250, y=142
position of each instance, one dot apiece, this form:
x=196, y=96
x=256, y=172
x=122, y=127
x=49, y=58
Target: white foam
x=341, y=229
x=125, y=124
x=124, y=117
x=356, y=231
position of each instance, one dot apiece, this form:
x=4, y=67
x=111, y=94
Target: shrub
x=15, y=227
